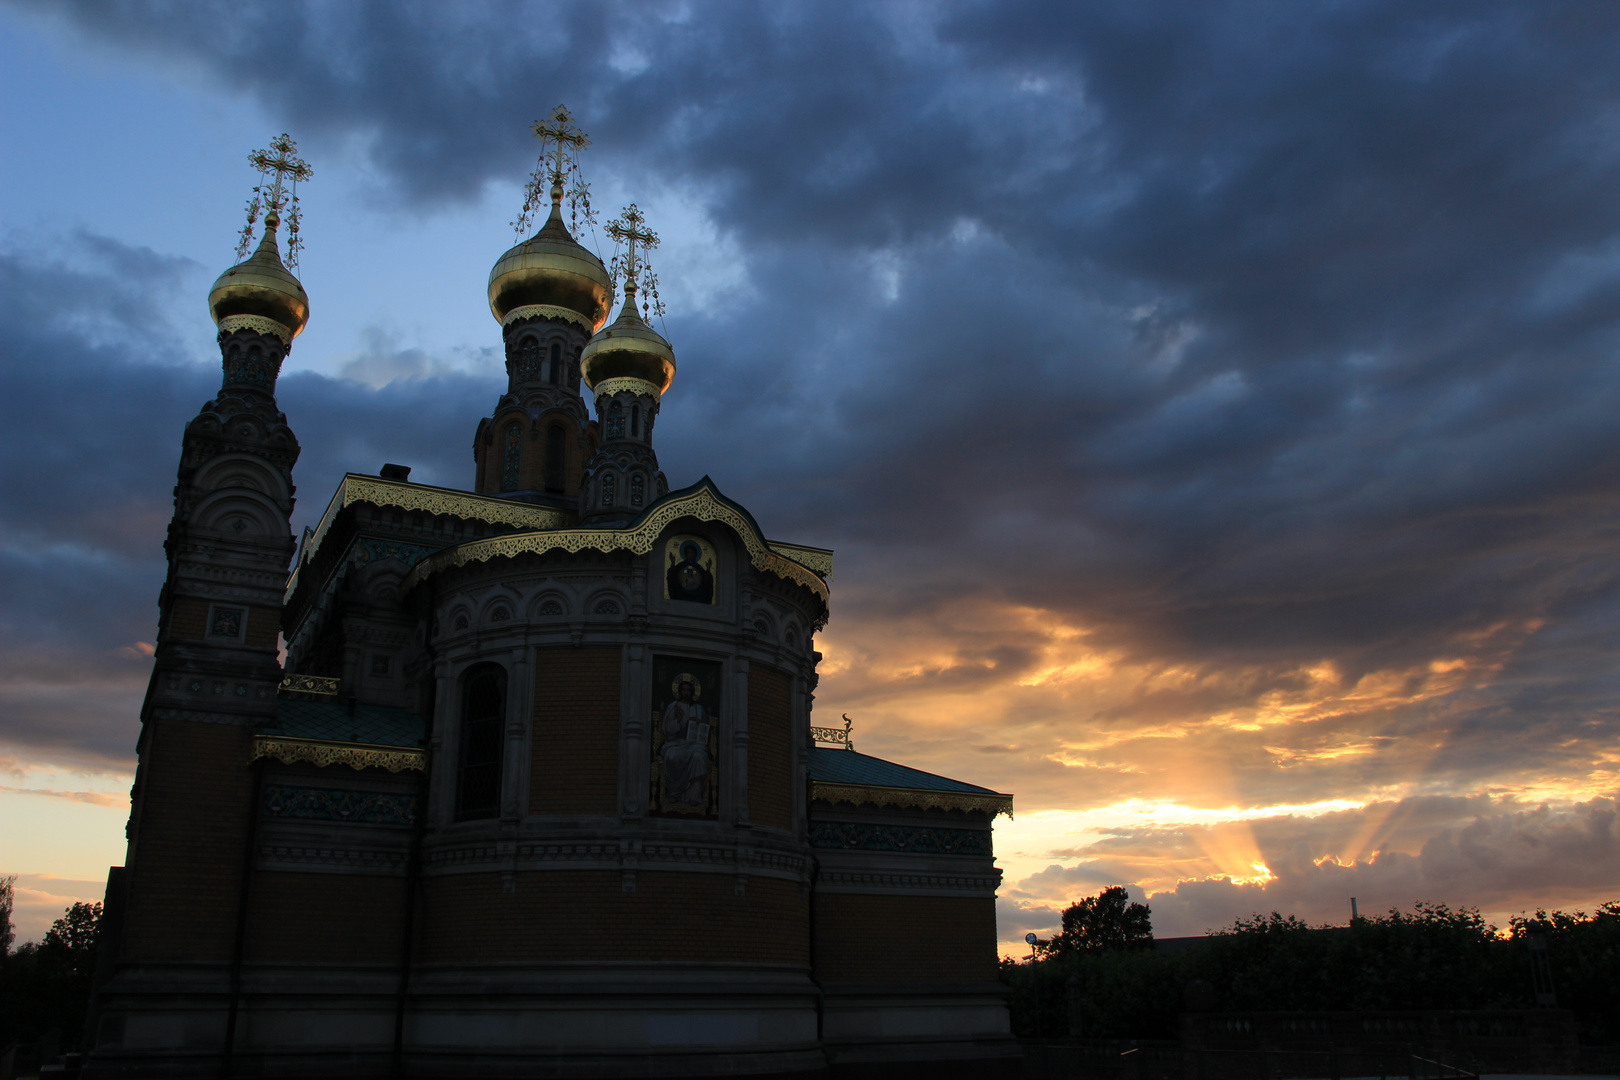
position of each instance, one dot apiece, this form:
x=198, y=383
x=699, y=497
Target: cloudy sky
x=1212, y=405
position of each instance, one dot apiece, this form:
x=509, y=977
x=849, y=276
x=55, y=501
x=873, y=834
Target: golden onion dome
x=260, y=294
x=629, y=349
x=551, y=275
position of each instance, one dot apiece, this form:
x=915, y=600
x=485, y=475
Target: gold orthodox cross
x=629, y=230
x=560, y=140
x=273, y=193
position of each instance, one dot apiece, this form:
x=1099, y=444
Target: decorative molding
x=258, y=324
x=370, y=859
x=917, y=839
x=978, y=883
x=547, y=311
x=404, y=495
x=375, y=549
x=609, y=387
x=199, y=717
x=330, y=804
x=818, y=559
x=310, y=684
x=354, y=755
x=991, y=803
x=638, y=539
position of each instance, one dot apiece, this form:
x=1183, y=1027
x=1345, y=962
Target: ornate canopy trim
x=818, y=559
x=609, y=387
x=403, y=495
x=546, y=311
x=354, y=755
x=912, y=798
x=310, y=684
x=700, y=501
x=258, y=324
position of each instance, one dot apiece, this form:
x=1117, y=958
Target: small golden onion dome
x=550, y=271
x=260, y=288
x=629, y=349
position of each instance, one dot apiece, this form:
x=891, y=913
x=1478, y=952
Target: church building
x=520, y=780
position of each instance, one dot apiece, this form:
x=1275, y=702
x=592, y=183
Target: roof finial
x=629, y=229
x=557, y=172
x=277, y=191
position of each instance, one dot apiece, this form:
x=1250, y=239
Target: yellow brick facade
x=863, y=938
x=186, y=880
x=574, y=768
x=770, y=718
x=585, y=915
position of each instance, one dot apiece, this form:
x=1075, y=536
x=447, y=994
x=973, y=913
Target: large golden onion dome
x=260, y=291
x=552, y=275
x=629, y=349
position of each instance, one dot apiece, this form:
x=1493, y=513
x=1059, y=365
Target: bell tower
x=216, y=669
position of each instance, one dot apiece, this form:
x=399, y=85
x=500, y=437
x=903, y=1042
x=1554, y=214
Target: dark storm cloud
x=95, y=390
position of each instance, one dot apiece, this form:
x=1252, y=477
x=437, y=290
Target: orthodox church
x=535, y=790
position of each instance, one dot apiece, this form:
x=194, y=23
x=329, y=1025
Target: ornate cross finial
x=558, y=170
x=629, y=229
x=277, y=190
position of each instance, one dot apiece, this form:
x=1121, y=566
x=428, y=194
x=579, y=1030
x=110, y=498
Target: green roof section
x=337, y=721
x=838, y=766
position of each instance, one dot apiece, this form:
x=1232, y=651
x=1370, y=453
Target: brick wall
x=188, y=619
x=339, y=918
x=770, y=765
x=575, y=764
x=586, y=915
x=196, y=794
x=904, y=938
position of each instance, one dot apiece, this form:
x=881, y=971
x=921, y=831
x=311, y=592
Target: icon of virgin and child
x=685, y=727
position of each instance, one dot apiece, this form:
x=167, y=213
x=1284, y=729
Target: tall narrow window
x=608, y=485
x=512, y=457
x=554, y=373
x=615, y=421
x=638, y=490
x=483, y=723
x=635, y=421
x=528, y=361
x=556, y=455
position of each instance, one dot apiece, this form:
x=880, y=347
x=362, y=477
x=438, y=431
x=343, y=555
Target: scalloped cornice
x=912, y=798
x=700, y=501
x=354, y=755
x=403, y=495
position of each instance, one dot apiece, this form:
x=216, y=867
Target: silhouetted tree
x=1108, y=920
x=47, y=985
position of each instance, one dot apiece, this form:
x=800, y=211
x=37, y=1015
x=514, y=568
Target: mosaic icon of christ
x=686, y=748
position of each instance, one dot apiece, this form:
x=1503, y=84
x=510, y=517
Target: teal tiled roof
x=838, y=766
x=336, y=721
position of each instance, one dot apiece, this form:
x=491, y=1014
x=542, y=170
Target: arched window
x=528, y=359
x=635, y=421
x=512, y=457
x=608, y=485
x=615, y=421
x=556, y=456
x=638, y=490
x=554, y=373
x=483, y=724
